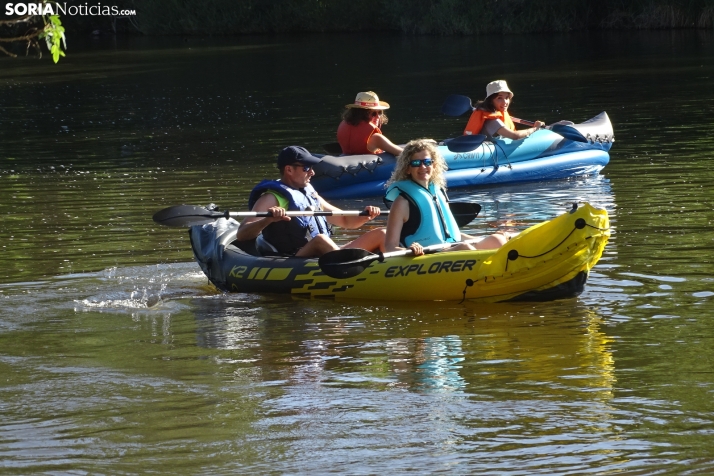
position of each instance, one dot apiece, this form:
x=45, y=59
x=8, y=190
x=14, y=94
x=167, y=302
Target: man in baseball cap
x=301, y=236
x=296, y=154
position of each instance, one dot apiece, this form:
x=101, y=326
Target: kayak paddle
x=464, y=212
x=456, y=105
x=190, y=215
x=349, y=262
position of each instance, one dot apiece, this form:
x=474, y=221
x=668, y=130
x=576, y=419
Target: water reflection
x=109, y=349
x=438, y=362
x=466, y=378
x=425, y=348
x=422, y=349
x=483, y=377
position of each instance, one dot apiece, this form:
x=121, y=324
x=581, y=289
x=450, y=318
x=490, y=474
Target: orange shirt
x=479, y=116
x=353, y=139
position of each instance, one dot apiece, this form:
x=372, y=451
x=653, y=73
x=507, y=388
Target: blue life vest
x=289, y=236
x=436, y=223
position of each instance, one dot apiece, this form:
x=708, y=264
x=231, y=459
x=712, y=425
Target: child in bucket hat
x=495, y=87
x=360, y=130
x=491, y=115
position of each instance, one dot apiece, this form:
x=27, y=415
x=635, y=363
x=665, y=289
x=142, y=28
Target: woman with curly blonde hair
x=420, y=215
x=403, y=168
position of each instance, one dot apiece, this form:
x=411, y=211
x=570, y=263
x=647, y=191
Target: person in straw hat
x=491, y=116
x=360, y=130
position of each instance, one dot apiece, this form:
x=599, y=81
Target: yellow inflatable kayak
x=547, y=261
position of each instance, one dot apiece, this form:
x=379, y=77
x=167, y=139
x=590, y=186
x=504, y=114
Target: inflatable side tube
x=346, y=170
x=548, y=168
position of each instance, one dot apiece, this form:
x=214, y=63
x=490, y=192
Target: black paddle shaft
x=349, y=262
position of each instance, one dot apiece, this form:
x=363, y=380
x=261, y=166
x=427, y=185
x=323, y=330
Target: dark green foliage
x=226, y=17
x=436, y=17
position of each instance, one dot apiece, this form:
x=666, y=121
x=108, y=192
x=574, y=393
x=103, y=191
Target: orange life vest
x=353, y=139
x=479, y=117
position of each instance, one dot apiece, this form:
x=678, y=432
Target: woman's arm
x=379, y=141
x=398, y=216
x=515, y=135
x=521, y=134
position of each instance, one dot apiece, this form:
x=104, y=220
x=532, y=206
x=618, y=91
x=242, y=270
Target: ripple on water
x=146, y=288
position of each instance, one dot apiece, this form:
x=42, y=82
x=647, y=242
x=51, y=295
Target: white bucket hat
x=368, y=100
x=497, y=86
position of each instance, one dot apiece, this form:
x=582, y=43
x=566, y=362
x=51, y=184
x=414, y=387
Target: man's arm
x=351, y=221
x=251, y=227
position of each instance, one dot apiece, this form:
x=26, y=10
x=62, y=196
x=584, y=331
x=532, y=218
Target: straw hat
x=368, y=100
x=497, y=86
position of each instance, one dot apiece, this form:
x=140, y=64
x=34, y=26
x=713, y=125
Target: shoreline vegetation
x=423, y=17
x=408, y=17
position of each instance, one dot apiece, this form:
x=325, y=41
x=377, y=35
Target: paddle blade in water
x=346, y=263
x=186, y=215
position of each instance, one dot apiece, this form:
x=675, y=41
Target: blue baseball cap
x=296, y=154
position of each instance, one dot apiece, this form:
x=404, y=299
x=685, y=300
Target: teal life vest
x=435, y=223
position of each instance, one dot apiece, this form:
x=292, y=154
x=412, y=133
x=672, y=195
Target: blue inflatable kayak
x=564, y=150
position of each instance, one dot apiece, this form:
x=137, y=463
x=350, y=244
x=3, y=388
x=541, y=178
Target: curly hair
x=401, y=168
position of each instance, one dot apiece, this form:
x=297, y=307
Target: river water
x=117, y=357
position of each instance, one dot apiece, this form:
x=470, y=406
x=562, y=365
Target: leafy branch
x=53, y=34
x=36, y=27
